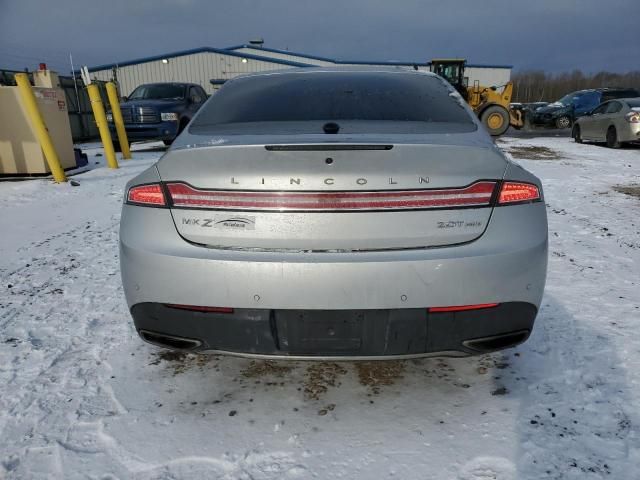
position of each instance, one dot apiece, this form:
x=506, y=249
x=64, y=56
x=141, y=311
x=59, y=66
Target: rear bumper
x=149, y=131
x=630, y=132
x=334, y=334
x=390, y=290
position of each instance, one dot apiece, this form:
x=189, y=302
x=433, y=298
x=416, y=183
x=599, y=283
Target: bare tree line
x=540, y=86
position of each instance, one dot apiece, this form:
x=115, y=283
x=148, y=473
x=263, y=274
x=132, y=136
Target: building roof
x=354, y=62
x=182, y=53
x=266, y=58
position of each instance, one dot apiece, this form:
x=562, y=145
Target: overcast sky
x=555, y=35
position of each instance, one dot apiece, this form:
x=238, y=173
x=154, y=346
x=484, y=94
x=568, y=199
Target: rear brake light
x=462, y=308
x=476, y=195
x=633, y=117
x=516, y=192
x=196, y=308
x=146, y=195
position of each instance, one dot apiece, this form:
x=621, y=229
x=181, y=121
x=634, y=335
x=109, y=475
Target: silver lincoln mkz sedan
x=332, y=213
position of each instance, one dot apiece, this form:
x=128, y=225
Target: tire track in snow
x=53, y=363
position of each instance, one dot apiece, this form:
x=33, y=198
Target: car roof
x=625, y=99
x=606, y=89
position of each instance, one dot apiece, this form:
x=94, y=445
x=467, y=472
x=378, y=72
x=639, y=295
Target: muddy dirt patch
x=264, y=368
x=320, y=376
x=632, y=190
x=180, y=362
x=378, y=374
x=531, y=152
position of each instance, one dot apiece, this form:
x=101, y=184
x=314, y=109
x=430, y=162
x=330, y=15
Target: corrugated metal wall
x=282, y=56
x=196, y=68
x=203, y=66
x=487, y=76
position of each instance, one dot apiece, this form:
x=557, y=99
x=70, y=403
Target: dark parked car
x=159, y=111
x=563, y=113
x=527, y=110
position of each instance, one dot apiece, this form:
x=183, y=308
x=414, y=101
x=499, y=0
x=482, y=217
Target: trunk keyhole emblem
x=329, y=161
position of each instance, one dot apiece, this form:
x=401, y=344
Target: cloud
x=548, y=34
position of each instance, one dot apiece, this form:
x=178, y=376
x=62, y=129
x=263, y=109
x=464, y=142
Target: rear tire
x=575, y=133
x=117, y=147
x=167, y=142
x=495, y=119
x=563, y=122
x=612, y=138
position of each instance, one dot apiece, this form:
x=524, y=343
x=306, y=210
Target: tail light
x=633, y=117
x=476, y=195
x=150, y=195
x=462, y=308
x=518, y=192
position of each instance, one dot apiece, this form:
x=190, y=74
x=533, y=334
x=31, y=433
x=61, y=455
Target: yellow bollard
x=103, y=127
x=112, y=93
x=38, y=124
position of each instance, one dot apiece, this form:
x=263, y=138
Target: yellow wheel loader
x=491, y=104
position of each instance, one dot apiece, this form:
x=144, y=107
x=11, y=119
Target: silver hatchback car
x=615, y=122
x=332, y=213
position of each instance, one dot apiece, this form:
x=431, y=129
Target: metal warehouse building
x=211, y=67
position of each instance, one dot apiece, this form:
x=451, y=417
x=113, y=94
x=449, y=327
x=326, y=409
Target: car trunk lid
x=331, y=196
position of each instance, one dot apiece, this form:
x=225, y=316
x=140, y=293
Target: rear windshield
x=331, y=96
x=581, y=99
x=157, y=92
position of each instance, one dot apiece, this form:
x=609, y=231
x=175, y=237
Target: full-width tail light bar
x=478, y=194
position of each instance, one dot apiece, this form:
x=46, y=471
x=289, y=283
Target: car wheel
x=575, y=133
x=117, y=147
x=495, y=119
x=563, y=121
x=167, y=142
x=612, y=138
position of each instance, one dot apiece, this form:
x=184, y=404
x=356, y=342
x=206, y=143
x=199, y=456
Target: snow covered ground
x=81, y=396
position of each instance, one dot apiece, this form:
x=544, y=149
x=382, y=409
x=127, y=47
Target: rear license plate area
x=320, y=332
x=351, y=332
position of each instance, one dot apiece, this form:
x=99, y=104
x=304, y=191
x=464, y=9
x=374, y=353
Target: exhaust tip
x=169, y=341
x=497, y=342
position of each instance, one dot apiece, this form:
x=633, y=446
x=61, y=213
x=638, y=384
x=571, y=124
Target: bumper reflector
x=196, y=308
x=462, y=308
x=476, y=195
